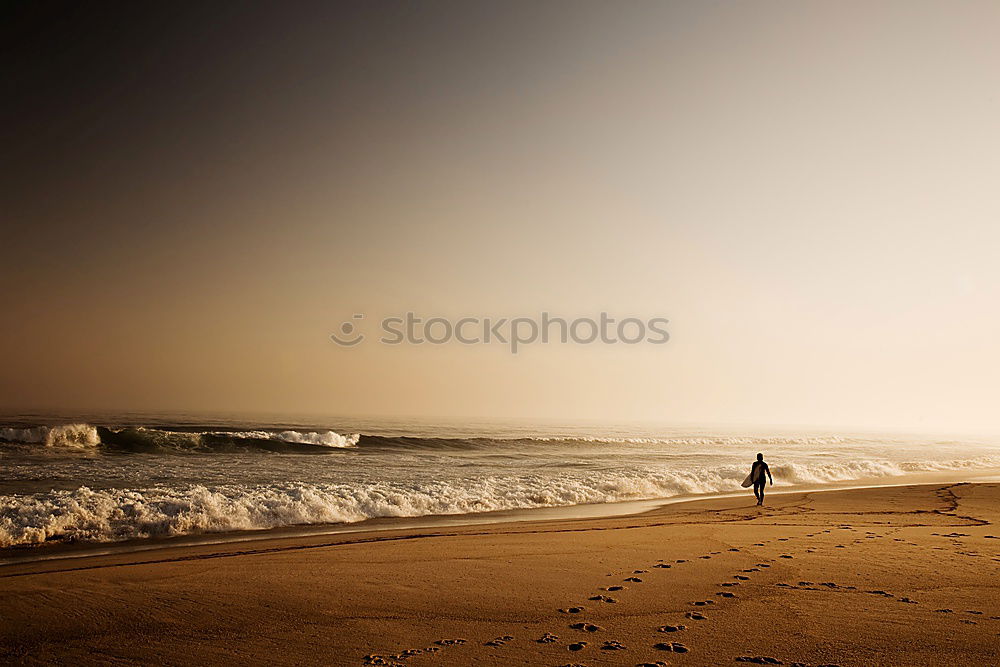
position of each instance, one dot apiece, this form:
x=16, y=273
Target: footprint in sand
x=640, y=571
x=573, y=664
x=658, y=663
x=724, y=594
x=615, y=588
x=752, y=569
x=882, y=593
x=762, y=565
x=681, y=561
x=730, y=583
x=784, y=556
x=671, y=628
x=499, y=641
x=586, y=627
x=613, y=646
x=408, y=653
x=908, y=601
x=450, y=642
x=603, y=598
x=696, y=616
x=706, y=557
x=945, y=611
x=572, y=610
x=547, y=638
x=661, y=565
x=635, y=580
x=702, y=603
x=734, y=549
x=381, y=661
x=577, y=646
x=759, y=660
x=973, y=611
x=741, y=577
x=673, y=647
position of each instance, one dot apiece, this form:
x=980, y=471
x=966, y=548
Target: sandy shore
x=884, y=576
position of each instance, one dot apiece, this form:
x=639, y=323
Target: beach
x=895, y=575
x=445, y=334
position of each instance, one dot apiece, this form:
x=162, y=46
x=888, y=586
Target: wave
x=106, y=515
x=75, y=437
x=703, y=440
x=485, y=443
x=873, y=469
x=90, y=515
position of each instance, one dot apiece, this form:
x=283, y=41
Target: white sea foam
x=117, y=514
x=873, y=469
x=321, y=438
x=325, y=438
x=112, y=514
x=77, y=436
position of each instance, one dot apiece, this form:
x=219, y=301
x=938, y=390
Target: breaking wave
x=118, y=514
x=143, y=439
x=105, y=515
x=847, y=471
x=77, y=436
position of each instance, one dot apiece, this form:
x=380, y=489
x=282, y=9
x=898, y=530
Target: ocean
x=101, y=479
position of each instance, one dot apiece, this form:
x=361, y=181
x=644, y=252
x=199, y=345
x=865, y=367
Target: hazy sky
x=195, y=197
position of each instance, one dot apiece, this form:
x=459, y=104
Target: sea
x=144, y=478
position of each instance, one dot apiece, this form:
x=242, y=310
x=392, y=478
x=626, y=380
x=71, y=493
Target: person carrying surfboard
x=756, y=477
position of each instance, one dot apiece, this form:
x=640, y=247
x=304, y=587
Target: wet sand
x=886, y=576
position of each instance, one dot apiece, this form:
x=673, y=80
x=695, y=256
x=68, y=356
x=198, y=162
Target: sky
x=195, y=197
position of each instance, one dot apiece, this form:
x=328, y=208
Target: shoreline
x=845, y=577
x=60, y=550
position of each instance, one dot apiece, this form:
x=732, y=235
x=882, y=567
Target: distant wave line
x=83, y=436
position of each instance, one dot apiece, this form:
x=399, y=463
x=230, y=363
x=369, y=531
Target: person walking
x=757, y=472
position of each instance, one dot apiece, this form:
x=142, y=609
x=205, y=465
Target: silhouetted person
x=757, y=473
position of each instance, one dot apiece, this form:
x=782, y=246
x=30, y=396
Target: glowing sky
x=194, y=198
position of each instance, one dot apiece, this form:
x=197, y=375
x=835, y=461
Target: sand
x=880, y=576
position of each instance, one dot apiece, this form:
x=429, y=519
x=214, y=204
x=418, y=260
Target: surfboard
x=751, y=478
